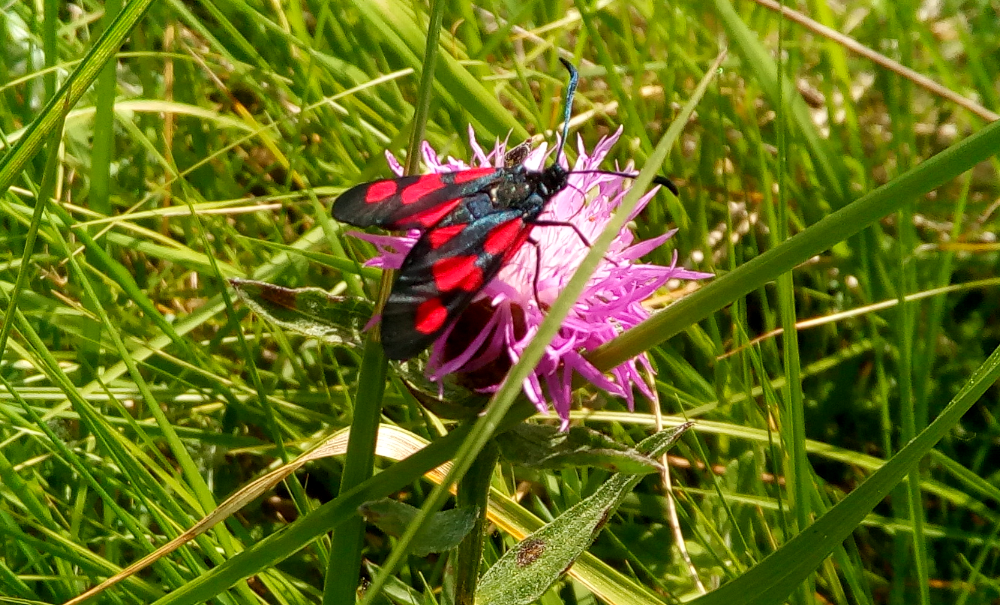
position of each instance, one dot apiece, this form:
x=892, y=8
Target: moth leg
x=583, y=238
x=538, y=269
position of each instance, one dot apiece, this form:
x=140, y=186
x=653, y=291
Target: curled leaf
x=311, y=312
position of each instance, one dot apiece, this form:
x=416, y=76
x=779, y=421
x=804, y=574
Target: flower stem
x=345, y=549
x=474, y=490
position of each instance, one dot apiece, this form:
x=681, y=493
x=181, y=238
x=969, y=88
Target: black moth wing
x=412, y=202
x=447, y=267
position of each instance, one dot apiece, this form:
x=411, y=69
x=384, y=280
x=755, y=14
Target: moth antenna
x=657, y=180
x=574, y=77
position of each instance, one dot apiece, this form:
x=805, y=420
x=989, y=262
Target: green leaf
x=526, y=571
x=546, y=447
x=446, y=400
x=443, y=531
x=311, y=312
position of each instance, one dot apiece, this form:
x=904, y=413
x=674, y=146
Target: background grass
x=137, y=396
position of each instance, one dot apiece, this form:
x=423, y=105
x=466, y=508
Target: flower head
x=494, y=331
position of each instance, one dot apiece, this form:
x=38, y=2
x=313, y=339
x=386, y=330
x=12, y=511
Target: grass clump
x=149, y=158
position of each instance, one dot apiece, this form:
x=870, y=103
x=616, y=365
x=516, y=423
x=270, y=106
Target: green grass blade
x=835, y=228
x=74, y=88
x=830, y=169
x=770, y=582
x=44, y=194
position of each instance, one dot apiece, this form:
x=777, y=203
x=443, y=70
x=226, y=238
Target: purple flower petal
x=394, y=164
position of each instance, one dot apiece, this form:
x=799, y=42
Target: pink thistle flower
x=494, y=331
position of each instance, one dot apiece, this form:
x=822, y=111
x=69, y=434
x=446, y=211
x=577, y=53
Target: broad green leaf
x=526, y=571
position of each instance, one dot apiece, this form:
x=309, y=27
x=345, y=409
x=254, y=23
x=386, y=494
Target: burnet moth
x=472, y=222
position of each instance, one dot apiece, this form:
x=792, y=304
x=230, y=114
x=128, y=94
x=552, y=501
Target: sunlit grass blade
x=71, y=91
x=817, y=238
x=776, y=577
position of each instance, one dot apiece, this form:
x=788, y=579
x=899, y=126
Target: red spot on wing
x=431, y=216
x=517, y=245
x=457, y=272
x=442, y=236
x=424, y=185
x=465, y=176
x=431, y=316
x=505, y=236
x=380, y=191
